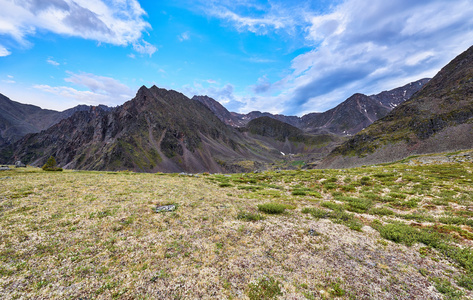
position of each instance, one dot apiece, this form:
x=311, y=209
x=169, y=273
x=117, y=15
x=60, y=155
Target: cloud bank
x=116, y=22
x=355, y=46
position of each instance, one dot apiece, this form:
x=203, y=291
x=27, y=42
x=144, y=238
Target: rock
x=19, y=164
x=4, y=168
x=165, y=208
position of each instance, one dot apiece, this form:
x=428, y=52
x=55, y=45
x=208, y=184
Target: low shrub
x=299, y=193
x=332, y=205
x=51, y=165
x=381, y=211
x=365, y=180
x=272, y=208
x=247, y=216
x=465, y=281
x=405, y=234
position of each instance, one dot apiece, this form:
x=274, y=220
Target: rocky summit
x=158, y=130
x=354, y=114
x=18, y=119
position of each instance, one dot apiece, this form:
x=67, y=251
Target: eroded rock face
x=347, y=118
x=18, y=120
x=158, y=130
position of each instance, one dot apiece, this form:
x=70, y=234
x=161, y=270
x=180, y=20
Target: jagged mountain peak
x=347, y=118
x=157, y=130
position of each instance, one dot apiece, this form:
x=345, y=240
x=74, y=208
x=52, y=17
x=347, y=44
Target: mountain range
x=17, y=119
x=163, y=130
x=158, y=130
x=347, y=118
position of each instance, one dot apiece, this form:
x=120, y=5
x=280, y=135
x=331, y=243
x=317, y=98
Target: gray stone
x=165, y=208
x=19, y=164
x=4, y=168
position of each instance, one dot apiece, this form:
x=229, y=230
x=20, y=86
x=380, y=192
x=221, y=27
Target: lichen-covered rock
x=165, y=208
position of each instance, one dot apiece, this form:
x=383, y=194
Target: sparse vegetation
x=97, y=233
x=264, y=288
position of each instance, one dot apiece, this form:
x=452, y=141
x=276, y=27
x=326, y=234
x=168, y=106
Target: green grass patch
x=272, y=208
x=381, y=211
x=264, y=288
x=250, y=217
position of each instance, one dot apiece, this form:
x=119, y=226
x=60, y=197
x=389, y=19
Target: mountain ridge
x=439, y=118
x=157, y=130
x=333, y=120
x=18, y=119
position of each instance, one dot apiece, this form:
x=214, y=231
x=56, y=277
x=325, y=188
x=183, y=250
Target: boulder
x=19, y=164
x=165, y=208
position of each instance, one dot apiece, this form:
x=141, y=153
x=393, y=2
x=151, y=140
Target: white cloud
x=223, y=94
x=83, y=97
x=357, y=46
x=253, y=17
x=9, y=79
x=184, y=36
x=98, y=90
x=101, y=85
x=4, y=51
x=144, y=47
x=365, y=45
x=52, y=62
x=117, y=22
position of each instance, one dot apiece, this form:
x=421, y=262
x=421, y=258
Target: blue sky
x=291, y=57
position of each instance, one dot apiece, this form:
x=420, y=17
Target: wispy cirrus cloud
x=116, y=22
x=143, y=47
x=52, y=62
x=94, y=90
x=223, y=94
x=184, y=36
x=253, y=16
x=4, y=51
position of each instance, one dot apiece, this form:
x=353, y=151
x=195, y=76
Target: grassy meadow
x=398, y=231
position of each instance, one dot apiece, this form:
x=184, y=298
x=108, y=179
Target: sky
x=280, y=56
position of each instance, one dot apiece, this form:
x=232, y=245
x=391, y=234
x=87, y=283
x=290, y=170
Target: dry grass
x=95, y=235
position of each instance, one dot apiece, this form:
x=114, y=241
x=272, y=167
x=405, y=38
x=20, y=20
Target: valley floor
x=399, y=231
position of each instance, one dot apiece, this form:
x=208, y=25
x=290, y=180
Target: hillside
x=404, y=229
x=292, y=140
x=17, y=119
x=158, y=130
x=437, y=119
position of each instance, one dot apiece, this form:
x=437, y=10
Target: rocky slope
x=347, y=118
x=17, y=119
x=158, y=130
x=439, y=118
